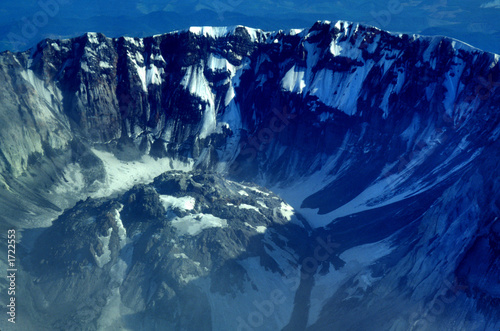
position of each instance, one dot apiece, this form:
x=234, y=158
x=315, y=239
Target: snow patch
x=262, y=204
x=195, y=82
x=181, y=256
x=242, y=192
x=56, y=47
x=105, y=65
x=287, y=211
x=122, y=232
x=121, y=175
x=153, y=75
x=210, y=31
x=193, y=224
x=346, y=85
x=137, y=43
x=183, y=203
x=92, y=36
x=105, y=257
x=258, y=228
x=294, y=80
x=294, y=32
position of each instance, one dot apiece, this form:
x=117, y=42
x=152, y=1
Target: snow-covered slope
x=383, y=147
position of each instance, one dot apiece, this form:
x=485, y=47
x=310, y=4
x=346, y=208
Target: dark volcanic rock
x=159, y=257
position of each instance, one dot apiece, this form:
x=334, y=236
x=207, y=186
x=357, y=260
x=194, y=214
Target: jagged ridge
x=372, y=136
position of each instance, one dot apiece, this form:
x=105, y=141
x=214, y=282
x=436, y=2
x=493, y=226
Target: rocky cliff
x=385, y=144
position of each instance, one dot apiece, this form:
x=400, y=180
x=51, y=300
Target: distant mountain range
x=23, y=25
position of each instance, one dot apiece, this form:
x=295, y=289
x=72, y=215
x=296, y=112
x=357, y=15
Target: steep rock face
x=386, y=144
x=33, y=120
x=175, y=90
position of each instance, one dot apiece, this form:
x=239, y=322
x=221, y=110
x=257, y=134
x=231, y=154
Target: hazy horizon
x=24, y=25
